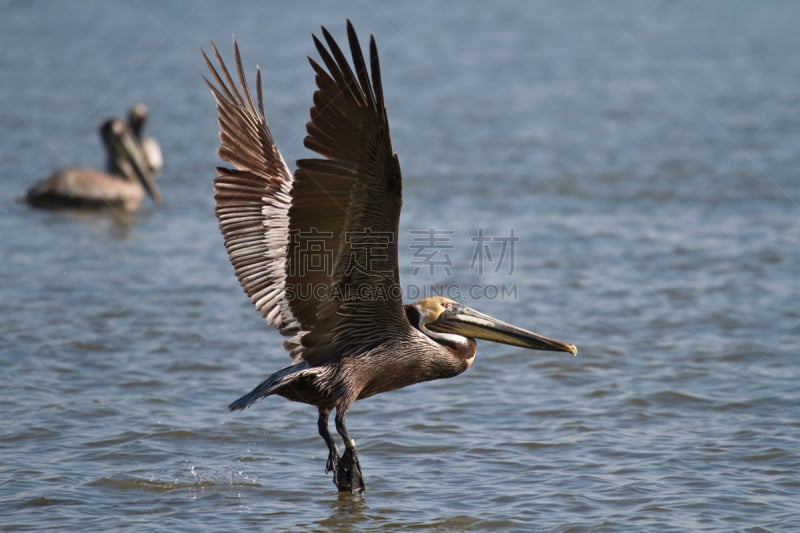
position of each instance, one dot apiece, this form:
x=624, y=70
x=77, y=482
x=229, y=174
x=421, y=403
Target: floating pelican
x=348, y=333
x=137, y=116
x=88, y=188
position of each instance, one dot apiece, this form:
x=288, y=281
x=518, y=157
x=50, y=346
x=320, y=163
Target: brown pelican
x=348, y=333
x=137, y=116
x=88, y=188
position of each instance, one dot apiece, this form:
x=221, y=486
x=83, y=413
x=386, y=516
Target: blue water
x=644, y=153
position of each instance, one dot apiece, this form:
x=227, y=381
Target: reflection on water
x=346, y=512
x=115, y=222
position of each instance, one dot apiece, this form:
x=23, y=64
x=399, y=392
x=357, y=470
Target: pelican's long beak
x=467, y=322
x=129, y=155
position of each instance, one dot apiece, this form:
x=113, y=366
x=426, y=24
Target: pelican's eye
x=448, y=306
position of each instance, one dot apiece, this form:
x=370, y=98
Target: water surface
x=645, y=155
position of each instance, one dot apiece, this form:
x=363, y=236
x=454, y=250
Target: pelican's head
x=124, y=150
x=137, y=116
x=443, y=319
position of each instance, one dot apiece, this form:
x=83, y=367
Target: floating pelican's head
x=127, y=155
x=137, y=116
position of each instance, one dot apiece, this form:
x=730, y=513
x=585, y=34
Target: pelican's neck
x=456, y=342
x=462, y=347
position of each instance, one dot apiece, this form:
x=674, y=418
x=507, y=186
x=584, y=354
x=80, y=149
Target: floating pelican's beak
x=130, y=158
x=467, y=322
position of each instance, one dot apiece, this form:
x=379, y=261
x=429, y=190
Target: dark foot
x=333, y=462
x=347, y=475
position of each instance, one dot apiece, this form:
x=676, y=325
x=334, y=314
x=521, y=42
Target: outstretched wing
x=252, y=200
x=353, y=196
x=317, y=253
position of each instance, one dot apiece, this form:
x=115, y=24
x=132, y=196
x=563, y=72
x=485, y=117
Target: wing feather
x=354, y=196
x=345, y=206
x=252, y=199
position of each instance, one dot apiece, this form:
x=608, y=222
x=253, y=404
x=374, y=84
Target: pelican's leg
x=347, y=476
x=333, y=453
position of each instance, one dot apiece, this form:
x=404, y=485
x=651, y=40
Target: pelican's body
x=137, y=117
x=87, y=188
x=348, y=333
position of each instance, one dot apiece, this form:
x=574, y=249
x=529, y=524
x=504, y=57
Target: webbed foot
x=347, y=475
x=333, y=462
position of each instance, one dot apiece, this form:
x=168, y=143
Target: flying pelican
x=348, y=333
x=137, y=116
x=88, y=188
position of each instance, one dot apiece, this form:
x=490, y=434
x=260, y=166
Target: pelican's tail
x=271, y=385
